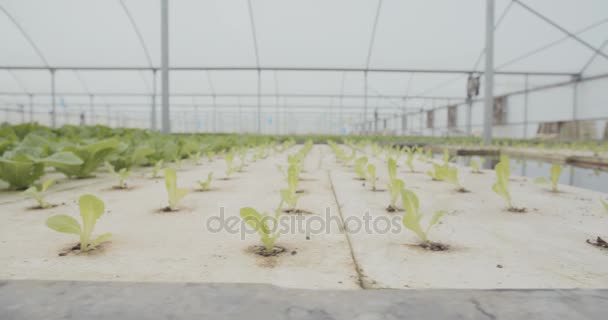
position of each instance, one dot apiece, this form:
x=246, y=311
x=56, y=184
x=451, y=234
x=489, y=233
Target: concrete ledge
x=50, y=300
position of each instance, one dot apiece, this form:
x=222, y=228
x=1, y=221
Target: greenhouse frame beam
x=165, y=114
x=315, y=69
x=488, y=110
x=240, y=95
x=562, y=29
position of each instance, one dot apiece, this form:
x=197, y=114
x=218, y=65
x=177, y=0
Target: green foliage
x=394, y=190
x=92, y=155
x=91, y=209
x=555, y=172
x=175, y=194
x=392, y=169
x=290, y=194
x=121, y=175
x=412, y=216
x=36, y=193
x=410, y=159
x=229, y=158
x=605, y=204
x=360, y=166
x=476, y=166
x=371, y=171
x=205, y=185
x=22, y=168
x=210, y=155
x=501, y=187
x=264, y=224
x=157, y=166
x=196, y=158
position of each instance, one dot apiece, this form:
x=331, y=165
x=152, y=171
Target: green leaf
x=175, y=194
x=435, y=219
x=556, y=171
x=47, y=184
x=62, y=158
x=63, y=223
x=102, y=238
x=392, y=169
x=605, y=204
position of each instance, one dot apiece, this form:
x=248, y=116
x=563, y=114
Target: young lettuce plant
x=410, y=159
x=157, y=166
x=175, y=194
x=92, y=155
x=205, y=185
x=266, y=226
x=196, y=158
x=360, y=168
x=394, y=191
x=229, y=161
x=476, y=166
x=371, y=171
x=91, y=209
x=37, y=193
x=290, y=194
x=412, y=217
x=21, y=169
x=501, y=187
x=555, y=172
x=121, y=174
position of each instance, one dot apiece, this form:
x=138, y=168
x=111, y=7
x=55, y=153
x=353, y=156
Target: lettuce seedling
x=121, y=174
x=555, y=172
x=476, y=166
x=210, y=155
x=196, y=158
x=205, y=185
x=290, y=194
x=175, y=194
x=394, y=190
x=36, y=193
x=501, y=187
x=410, y=159
x=229, y=161
x=371, y=170
x=178, y=162
x=360, y=168
x=157, y=166
x=392, y=169
x=605, y=204
x=265, y=225
x=91, y=209
x=412, y=217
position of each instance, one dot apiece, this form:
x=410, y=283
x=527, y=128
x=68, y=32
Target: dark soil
x=599, y=242
x=167, y=209
x=52, y=205
x=390, y=208
x=517, y=210
x=297, y=211
x=463, y=190
x=434, y=246
x=261, y=250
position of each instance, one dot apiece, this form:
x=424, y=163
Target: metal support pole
x=489, y=74
x=259, y=101
x=31, y=96
x=575, y=108
x=365, y=130
x=526, y=85
x=469, y=119
x=153, y=121
x=91, y=112
x=54, y=103
x=214, y=114
x=166, y=121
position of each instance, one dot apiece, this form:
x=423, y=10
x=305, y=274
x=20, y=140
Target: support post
x=489, y=74
x=526, y=86
x=365, y=130
x=91, y=111
x=153, y=121
x=259, y=101
x=214, y=113
x=575, y=108
x=53, y=102
x=166, y=121
x=469, y=119
x=31, y=100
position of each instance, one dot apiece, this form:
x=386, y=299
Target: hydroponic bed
x=325, y=243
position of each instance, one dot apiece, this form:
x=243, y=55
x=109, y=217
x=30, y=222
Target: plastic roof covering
x=418, y=34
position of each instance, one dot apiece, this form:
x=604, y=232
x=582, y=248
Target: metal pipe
x=489, y=74
x=166, y=121
x=53, y=103
x=259, y=102
x=153, y=121
x=526, y=107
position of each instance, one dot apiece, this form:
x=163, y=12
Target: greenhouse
x=253, y=159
